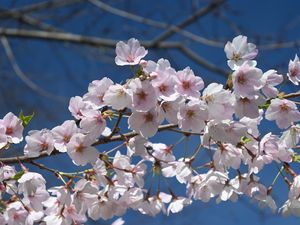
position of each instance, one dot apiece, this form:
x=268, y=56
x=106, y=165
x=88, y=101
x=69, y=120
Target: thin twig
x=102, y=42
x=199, y=13
x=155, y=23
x=22, y=75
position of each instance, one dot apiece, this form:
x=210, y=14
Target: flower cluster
x=224, y=119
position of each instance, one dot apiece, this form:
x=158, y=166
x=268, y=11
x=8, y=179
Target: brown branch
x=39, y=6
x=292, y=95
x=29, y=20
x=102, y=42
x=103, y=140
x=206, y=64
x=155, y=23
x=22, y=75
x=201, y=12
x=57, y=36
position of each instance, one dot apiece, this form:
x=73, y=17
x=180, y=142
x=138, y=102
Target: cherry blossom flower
x=63, y=133
x=146, y=123
x=80, y=150
x=187, y=84
x=239, y=51
x=227, y=131
x=291, y=137
x=274, y=150
x=248, y=107
x=177, y=204
x=219, y=102
x=192, y=116
x=3, y=137
x=247, y=81
x=30, y=182
x=15, y=214
x=294, y=71
x=170, y=110
x=271, y=79
x=77, y=105
x=96, y=92
x=227, y=156
x=38, y=141
x=13, y=128
x=143, y=95
x=283, y=111
x=117, y=96
x=129, y=53
x=162, y=78
x=93, y=122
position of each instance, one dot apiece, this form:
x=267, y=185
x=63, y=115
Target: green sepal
x=18, y=175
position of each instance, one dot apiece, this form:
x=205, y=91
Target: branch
x=39, y=6
x=103, y=140
x=206, y=64
x=31, y=21
x=23, y=77
x=201, y=12
x=97, y=42
x=292, y=95
x=57, y=36
x=155, y=23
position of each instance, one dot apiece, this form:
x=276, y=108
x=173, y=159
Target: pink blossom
x=117, y=96
x=143, y=95
x=63, y=133
x=13, y=128
x=170, y=110
x=192, y=116
x=162, y=78
x=227, y=156
x=129, y=53
x=177, y=204
x=294, y=71
x=30, y=182
x=146, y=123
x=3, y=137
x=38, y=141
x=96, y=92
x=77, y=105
x=248, y=107
x=271, y=79
x=187, y=84
x=80, y=149
x=93, y=122
x=247, y=81
x=283, y=111
x=239, y=51
x=219, y=102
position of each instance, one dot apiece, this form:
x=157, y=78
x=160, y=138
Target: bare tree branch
x=39, y=6
x=201, y=12
x=103, y=140
x=102, y=42
x=31, y=21
x=23, y=77
x=206, y=64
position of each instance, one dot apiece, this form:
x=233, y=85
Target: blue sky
x=66, y=70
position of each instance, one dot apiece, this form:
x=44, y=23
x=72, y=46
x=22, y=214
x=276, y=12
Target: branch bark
x=103, y=140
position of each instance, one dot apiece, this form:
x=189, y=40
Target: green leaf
x=245, y=139
x=25, y=119
x=18, y=175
